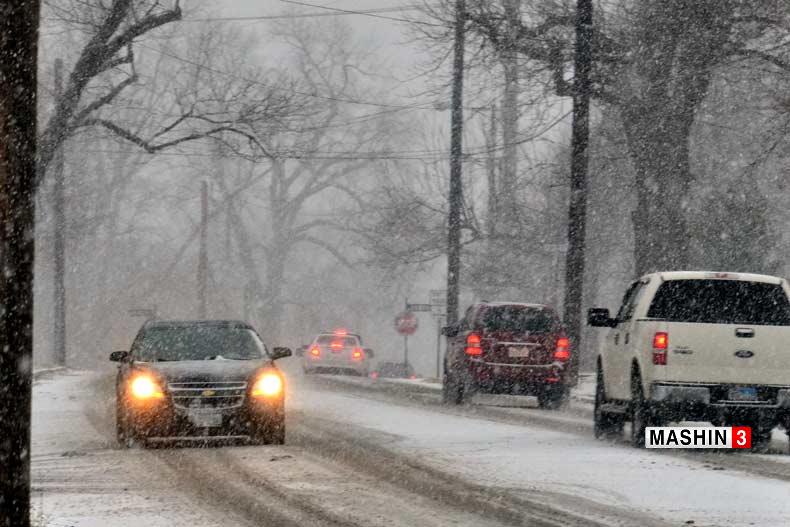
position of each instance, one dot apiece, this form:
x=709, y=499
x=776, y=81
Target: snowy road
x=355, y=460
x=570, y=470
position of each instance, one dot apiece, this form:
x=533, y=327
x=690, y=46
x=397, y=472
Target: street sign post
x=406, y=324
x=149, y=313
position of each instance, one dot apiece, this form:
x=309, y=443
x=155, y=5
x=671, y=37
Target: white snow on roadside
x=565, y=465
x=80, y=480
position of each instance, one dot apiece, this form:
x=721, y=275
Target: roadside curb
x=37, y=374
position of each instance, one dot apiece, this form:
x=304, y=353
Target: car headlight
x=144, y=386
x=267, y=385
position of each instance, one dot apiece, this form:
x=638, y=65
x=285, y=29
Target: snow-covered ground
x=81, y=480
x=568, y=469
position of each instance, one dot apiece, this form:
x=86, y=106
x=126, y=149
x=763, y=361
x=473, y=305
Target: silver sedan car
x=337, y=352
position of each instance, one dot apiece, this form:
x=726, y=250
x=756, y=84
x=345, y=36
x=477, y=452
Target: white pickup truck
x=695, y=346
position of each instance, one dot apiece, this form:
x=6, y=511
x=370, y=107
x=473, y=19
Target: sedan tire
x=452, y=389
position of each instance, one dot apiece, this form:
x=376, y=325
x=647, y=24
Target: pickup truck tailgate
x=723, y=353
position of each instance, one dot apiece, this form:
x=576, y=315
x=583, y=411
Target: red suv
x=507, y=348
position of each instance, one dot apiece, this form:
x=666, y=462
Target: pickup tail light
x=473, y=346
x=562, y=352
x=660, y=346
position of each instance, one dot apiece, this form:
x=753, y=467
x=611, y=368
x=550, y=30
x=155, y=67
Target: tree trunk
x=272, y=309
x=577, y=210
x=18, y=65
x=684, y=43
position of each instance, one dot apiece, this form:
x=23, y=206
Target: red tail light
x=358, y=354
x=336, y=345
x=473, y=345
x=660, y=346
x=315, y=351
x=562, y=352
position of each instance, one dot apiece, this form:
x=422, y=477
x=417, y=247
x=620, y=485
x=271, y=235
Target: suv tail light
x=562, y=352
x=357, y=354
x=473, y=345
x=660, y=346
x=315, y=351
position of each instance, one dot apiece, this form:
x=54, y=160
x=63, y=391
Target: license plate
x=205, y=419
x=517, y=351
x=743, y=394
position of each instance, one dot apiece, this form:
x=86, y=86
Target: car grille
x=191, y=395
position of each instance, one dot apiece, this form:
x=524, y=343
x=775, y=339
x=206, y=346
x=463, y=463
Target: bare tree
x=653, y=61
x=152, y=97
x=309, y=160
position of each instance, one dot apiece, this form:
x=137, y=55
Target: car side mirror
x=280, y=353
x=450, y=331
x=599, y=318
x=119, y=356
x=369, y=352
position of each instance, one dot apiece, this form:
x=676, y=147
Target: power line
x=369, y=13
x=332, y=12
x=306, y=94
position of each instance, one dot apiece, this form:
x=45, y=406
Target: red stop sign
x=406, y=323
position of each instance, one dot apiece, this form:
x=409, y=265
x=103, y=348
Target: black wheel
x=605, y=425
x=552, y=398
x=640, y=414
x=452, y=388
x=270, y=432
x=123, y=430
x=761, y=437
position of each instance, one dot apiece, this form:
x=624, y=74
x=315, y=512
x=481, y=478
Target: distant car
x=393, y=370
x=507, y=348
x=199, y=378
x=336, y=352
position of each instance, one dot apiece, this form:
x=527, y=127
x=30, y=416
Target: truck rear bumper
x=678, y=402
x=515, y=378
x=677, y=393
x=713, y=394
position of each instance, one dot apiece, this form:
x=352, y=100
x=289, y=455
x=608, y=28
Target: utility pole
x=456, y=196
x=59, y=240
x=577, y=212
x=202, y=271
x=509, y=209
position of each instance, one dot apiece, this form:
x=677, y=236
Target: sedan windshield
x=198, y=343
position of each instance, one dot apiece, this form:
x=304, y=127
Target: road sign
x=406, y=323
x=148, y=313
x=419, y=307
x=438, y=297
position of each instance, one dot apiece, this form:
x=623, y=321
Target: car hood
x=205, y=370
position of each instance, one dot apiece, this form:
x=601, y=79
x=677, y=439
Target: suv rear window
x=721, y=302
x=519, y=318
